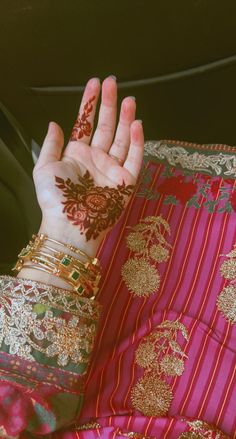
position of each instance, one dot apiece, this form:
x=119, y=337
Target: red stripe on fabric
x=168, y=428
x=148, y=426
x=117, y=384
x=98, y=395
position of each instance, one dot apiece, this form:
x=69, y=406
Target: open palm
x=87, y=155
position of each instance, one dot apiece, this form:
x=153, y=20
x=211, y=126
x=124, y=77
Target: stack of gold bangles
x=84, y=275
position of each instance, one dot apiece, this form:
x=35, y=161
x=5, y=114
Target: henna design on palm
x=82, y=126
x=92, y=208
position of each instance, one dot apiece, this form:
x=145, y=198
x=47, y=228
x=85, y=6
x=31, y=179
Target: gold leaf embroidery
x=200, y=430
x=160, y=355
x=24, y=328
x=226, y=301
x=133, y=434
x=86, y=426
x=215, y=164
x=146, y=240
x=151, y=395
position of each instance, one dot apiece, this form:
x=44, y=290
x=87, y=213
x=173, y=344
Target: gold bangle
x=94, y=261
x=79, y=289
x=84, y=272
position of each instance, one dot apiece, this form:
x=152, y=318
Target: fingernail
x=140, y=120
x=132, y=97
x=112, y=76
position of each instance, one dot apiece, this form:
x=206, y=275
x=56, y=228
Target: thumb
x=52, y=146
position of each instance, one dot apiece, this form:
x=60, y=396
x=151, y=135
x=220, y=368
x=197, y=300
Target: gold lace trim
x=215, y=164
x=201, y=146
x=27, y=326
x=200, y=430
x=197, y=429
x=147, y=242
x=226, y=301
x=160, y=355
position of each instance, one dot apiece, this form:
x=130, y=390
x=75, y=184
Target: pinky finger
x=134, y=158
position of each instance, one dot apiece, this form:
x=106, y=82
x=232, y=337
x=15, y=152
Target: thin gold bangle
x=37, y=267
x=71, y=247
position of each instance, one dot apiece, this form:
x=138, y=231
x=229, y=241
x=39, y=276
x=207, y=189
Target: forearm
x=65, y=234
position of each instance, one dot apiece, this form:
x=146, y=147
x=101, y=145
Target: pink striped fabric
x=190, y=282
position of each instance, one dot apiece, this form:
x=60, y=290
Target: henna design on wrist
x=92, y=208
x=82, y=126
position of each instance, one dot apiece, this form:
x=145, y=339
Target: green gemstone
x=24, y=252
x=80, y=289
x=65, y=261
x=75, y=275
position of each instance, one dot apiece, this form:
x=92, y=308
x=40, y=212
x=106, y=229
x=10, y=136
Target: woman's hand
x=83, y=187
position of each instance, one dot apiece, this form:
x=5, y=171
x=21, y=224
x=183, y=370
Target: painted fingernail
x=112, y=76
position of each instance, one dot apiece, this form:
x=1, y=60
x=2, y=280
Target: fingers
x=121, y=142
x=83, y=127
x=134, y=158
x=52, y=146
x=104, y=133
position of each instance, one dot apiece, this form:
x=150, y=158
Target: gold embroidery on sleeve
x=160, y=355
x=27, y=326
x=226, y=301
x=147, y=242
x=200, y=430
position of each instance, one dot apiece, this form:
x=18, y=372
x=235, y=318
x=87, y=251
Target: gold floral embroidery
x=200, y=430
x=146, y=240
x=215, y=164
x=226, y=301
x=86, y=426
x=160, y=355
x=26, y=328
x=133, y=434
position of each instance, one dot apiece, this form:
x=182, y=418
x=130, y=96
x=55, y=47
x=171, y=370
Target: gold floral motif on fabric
x=226, y=301
x=147, y=242
x=160, y=355
x=27, y=327
x=216, y=164
x=200, y=430
x=86, y=426
x=133, y=434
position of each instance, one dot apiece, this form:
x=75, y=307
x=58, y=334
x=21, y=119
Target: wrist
x=69, y=234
